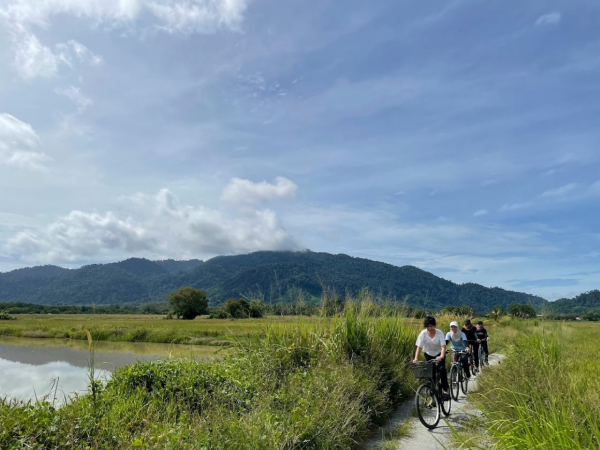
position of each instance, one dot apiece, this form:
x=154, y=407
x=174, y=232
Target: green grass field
x=143, y=328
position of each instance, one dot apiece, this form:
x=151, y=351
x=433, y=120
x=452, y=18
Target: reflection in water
x=29, y=366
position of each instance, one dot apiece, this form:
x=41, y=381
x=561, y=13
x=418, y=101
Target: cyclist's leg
x=484, y=344
x=443, y=375
x=476, y=353
x=441, y=371
x=464, y=361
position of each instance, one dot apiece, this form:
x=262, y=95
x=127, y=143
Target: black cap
x=467, y=321
x=480, y=323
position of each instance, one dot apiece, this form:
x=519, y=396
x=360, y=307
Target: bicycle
x=458, y=378
x=429, y=399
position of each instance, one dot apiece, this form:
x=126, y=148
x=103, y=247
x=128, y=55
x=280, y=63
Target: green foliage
x=458, y=311
x=5, y=316
x=497, y=312
x=308, y=386
x=544, y=394
x=586, y=303
x=188, y=302
x=521, y=311
x=239, y=309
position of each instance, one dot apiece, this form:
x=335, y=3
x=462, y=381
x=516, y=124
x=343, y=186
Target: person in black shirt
x=482, y=337
x=469, y=331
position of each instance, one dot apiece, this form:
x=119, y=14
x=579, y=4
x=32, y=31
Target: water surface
x=31, y=368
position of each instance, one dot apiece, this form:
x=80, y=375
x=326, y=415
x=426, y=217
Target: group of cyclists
x=433, y=343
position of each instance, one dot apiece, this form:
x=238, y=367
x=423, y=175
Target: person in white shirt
x=432, y=343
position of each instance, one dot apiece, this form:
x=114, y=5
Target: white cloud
x=185, y=16
x=481, y=212
x=560, y=191
x=245, y=192
x=515, y=206
x=32, y=59
x=155, y=226
x=18, y=141
x=548, y=19
x=74, y=93
x=199, y=16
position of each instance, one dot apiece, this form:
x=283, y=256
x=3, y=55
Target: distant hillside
x=272, y=276
x=588, y=302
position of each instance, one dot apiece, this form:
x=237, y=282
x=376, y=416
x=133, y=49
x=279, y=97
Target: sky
x=458, y=136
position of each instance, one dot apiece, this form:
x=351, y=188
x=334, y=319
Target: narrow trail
x=421, y=438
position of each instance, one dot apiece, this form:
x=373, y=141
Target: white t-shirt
x=432, y=347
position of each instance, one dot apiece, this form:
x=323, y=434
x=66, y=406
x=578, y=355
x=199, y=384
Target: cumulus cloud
x=548, y=19
x=247, y=193
x=481, y=212
x=18, y=142
x=156, y=226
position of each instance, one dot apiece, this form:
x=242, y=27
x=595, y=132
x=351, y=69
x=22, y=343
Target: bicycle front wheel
x=446, y=405
x=464, y=385
x=454, y=383
x=427, y=405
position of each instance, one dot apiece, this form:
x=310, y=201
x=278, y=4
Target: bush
x=5, y=316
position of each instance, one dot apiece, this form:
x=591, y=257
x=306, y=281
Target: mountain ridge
x=271, y=276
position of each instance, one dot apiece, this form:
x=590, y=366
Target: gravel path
x=420, y=438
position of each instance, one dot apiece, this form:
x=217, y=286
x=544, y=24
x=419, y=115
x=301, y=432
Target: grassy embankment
x=142, y=328
x=303, y=385
x=546, y=393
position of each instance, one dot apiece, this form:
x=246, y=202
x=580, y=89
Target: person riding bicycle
x=432, y=343
x=481, y=335
x=458, y=340
x=469, y=331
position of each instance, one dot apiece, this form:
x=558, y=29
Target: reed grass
x=302, y=384
x=546, y=393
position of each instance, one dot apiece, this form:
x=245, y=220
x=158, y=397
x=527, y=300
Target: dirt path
x=419, y=437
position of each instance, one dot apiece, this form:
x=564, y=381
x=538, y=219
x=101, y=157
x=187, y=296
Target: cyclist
x=469, y=331
x=432, y=343
x=458, y=340
x=481, y=335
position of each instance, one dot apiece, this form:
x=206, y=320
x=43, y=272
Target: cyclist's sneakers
x=486, y=360
x=446, y=396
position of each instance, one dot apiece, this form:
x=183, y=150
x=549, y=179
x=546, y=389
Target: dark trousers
x=464, y=362
x=441, y=370
x=475, y=351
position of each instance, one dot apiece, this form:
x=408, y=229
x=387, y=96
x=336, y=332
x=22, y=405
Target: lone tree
x=188, y=302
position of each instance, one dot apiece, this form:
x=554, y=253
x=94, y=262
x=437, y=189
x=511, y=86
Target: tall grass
x=546, y=393
x=304, y=385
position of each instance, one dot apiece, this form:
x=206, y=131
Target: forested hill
x=272, y=276
x=588, y=302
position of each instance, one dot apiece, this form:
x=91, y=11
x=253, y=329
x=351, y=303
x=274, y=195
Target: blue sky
x=457, y=136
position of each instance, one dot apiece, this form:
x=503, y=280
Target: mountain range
x=271, y=276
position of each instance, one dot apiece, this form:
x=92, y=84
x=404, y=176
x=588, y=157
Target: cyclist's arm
x=417, y=353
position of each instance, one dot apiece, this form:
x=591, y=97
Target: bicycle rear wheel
x=481, y=358
x=454, y=383
x=427, y=405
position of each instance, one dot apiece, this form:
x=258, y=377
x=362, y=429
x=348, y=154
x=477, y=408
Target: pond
x=32, y=368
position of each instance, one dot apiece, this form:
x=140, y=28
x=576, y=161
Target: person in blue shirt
x=458, y=340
